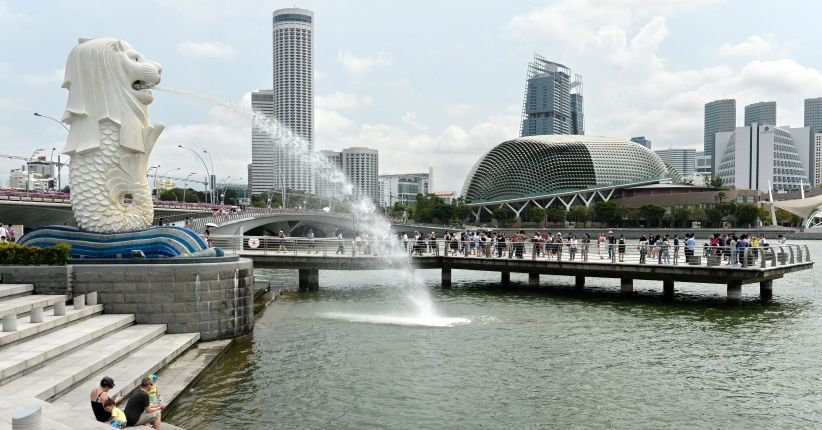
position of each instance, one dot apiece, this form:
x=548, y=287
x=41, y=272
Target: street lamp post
x=59, y=165
x=208, y=173
x=213, y=175
x=28, y=169
x=185, y=185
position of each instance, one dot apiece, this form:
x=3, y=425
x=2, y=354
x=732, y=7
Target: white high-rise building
x=261, y=170
x=720, y=116
x=749, y=157
x=403, y=188
x=817, y=159
x=293, y=93
x=359, y=165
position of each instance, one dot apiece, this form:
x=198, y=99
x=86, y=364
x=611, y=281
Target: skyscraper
x=682, y=160
x=553, y=102
x=763, y=113
x=720, y=116
x=293, y=92
x=642, y=141
x=261, y=170
x=359, y=165
x=813, y=119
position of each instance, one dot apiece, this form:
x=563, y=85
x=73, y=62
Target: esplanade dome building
x=559, y=169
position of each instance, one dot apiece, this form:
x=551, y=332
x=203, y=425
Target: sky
x=426, y=83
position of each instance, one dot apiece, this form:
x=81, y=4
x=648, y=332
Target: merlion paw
x=150, y=135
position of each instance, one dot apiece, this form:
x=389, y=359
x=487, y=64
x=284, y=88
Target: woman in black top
x=99, y=396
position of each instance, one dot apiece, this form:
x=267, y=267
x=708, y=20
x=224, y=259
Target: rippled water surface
x=352, y=356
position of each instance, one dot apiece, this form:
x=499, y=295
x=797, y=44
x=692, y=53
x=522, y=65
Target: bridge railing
x=700, y=255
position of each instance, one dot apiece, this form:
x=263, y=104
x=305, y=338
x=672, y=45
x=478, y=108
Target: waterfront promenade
x=763, y=265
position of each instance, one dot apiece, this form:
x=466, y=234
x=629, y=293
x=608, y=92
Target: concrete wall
x=46, y=279
x=214, y=299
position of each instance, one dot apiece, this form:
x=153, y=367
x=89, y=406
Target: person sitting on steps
x=99, y=395
x=140, y=411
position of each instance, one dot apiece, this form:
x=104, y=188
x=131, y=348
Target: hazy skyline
x=427, y=84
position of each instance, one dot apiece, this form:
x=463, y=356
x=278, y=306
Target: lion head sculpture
x=108, y=79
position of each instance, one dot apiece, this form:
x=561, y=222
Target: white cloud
x=340, y=100
x=330, y=122
x=460, y=109
x=753, y=46
x=10, y=18
x=361, y=65
x=53, y=78
x=215, y=50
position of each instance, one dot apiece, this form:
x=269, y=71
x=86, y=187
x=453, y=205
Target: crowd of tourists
x=143, y=407
x=7, y=233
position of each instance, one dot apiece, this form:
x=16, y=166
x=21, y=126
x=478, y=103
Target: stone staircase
x=53, y=355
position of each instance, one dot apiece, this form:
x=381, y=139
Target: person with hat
x=99, y=395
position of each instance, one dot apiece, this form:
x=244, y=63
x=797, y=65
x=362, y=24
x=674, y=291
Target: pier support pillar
x=626, y=285
x=579, y=282
x=446, y=277
x=668, y=288
x=766, y=290
x=734, y=291
x=505, y=279
x=533, y=279
x=309, y=279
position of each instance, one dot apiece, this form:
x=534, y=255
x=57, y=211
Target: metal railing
x=652, y=255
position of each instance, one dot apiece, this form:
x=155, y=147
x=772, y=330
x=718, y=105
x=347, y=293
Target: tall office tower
x=817, y=159
x=720, y=116
x=293, y=95
x=261, y=171
x=702, y=163
x=813, y=120
x=763, y=113
x=553, y=102
x=360, y=167
x=642, y=141
x=682, y=160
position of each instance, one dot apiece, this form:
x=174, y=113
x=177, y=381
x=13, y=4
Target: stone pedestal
x=579, y=282
x=668, y=289
x=446, y=277
x=213, y=297
x=626, y=286
x=79, y=302
x=59, y=309
x=10, y=323
x=309, y=279
x=766, y=290
x=36, y=315
x=533, y=279
x=734, y=291
x=28, y=418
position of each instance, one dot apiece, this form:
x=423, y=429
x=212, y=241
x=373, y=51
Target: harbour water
x=353, y=355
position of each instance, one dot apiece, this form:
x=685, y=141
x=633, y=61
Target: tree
x=461, y=210
x=555, y=214
x=720, y=197
x=537, y=214
x=580, y=213
x=652, y=214
x=607, y=212
x=501, y=215
x=712, y=181
x=680, y=216
x=714, y=216
x=398, y=210
x=747, y=213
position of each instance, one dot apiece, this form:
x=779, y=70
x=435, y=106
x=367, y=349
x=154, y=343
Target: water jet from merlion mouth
x=392, y=252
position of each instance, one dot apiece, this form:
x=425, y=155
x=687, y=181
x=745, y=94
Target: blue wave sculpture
x=152, y=242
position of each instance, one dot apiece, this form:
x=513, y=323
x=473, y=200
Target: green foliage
x=712, y=181
x=501, y=214
x=652, y=213
x=681, y=216
x=461, y=210
x=537, y=214
x=747, y=213
x=715, y=215
x=607, y=212
x=18, y=255
x=398, y=210
x=432, y=209
x=555, y=214
x=580, y=213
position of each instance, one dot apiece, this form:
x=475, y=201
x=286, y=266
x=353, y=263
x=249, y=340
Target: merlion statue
x=111, y=136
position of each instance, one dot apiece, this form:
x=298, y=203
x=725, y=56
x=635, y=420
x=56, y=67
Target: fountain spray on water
x=391, y=251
